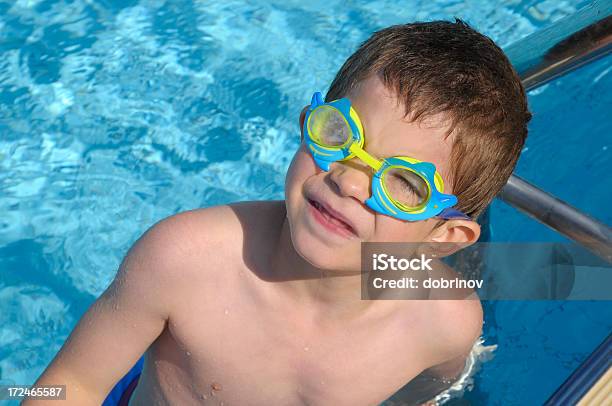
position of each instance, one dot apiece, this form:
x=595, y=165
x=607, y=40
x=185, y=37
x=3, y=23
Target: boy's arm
x=125, y=320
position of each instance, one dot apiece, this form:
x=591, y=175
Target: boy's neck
x=335, y=295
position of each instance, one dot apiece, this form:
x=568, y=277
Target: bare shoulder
x=220, y=221
x=181, y=252
x=229, y=224
x=449, y=329
x=455, y=326
x=177, y=238
x=174, y=244
x=227, y=232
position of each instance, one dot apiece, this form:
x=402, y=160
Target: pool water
x=116, y=114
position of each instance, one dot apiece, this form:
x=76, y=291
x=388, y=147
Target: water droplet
x=306, y=348
x=226, y=311
x=188, y=353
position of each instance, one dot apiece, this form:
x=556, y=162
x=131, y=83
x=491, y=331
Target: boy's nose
x=351, y=179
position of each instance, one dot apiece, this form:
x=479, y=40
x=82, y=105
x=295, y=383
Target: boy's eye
x=406, y=187
x=409, y=187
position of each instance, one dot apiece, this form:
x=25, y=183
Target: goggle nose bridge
x=365, y=157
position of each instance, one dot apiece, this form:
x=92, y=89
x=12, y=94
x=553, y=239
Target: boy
x=258, y=303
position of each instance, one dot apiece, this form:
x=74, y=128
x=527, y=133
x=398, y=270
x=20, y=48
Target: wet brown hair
x=449, y=68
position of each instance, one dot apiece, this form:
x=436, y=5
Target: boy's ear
x=302, y=118
x=454, y=235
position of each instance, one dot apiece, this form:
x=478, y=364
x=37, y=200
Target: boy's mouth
x=331, y=219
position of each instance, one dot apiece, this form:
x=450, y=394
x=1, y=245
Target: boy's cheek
x=302, y=166
x=394, y=230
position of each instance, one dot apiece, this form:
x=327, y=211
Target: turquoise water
x=115, y=114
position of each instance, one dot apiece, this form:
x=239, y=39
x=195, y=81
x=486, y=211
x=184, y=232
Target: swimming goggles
x=402, y=187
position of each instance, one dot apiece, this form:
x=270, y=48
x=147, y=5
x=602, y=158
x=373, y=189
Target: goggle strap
x=453, y=214
x=365, y=157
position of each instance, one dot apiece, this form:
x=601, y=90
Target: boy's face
x=347, y=185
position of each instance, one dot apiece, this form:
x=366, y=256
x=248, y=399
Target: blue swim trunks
x=120, y=395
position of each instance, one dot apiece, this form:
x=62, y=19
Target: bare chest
x=236, y=356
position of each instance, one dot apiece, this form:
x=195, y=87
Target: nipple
x=214, y=388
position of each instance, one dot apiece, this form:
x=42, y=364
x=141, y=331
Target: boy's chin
x=332, y=259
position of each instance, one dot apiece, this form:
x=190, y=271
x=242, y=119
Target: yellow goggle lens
x=327, y=127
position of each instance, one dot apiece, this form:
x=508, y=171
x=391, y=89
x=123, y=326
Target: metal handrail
x=569, y=43
x=560, y=216
x=563, y=46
